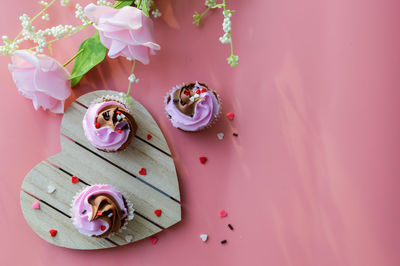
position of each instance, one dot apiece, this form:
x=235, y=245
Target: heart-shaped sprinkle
x=203, y=160
x=153, y=240
x=53, y=232
x=102, y=227
x=99, y=213
x=36, y=205
x=203, y=90
x=157, y=212
x=142, y=171
x=220, y=135
x=230, y=115
x=97, y=125
x=198, y=91
x=186, y=92
x=128, y=238
x=149, y=136
x=223, y=213
x=50, y=189
x=203, y=237
x=119, y=131
x=74, y=179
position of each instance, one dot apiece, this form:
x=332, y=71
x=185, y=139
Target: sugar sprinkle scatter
x=50, y=189
x=204, y=237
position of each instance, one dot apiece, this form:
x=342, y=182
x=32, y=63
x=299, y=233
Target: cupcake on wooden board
x=100, y=210
x=192, y=106
x=108, y=124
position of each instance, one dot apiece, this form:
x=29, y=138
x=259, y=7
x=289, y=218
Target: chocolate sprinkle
x=230, y=227
x=84, y=211
x=106, y=115
x=183, y=103
x=176, y=100
x=224, y=241
x=235, y=134
x=125, y=127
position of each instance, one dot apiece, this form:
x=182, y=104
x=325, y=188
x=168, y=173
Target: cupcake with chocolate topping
x=192, y=106
x=108, y=124
x=100, y=210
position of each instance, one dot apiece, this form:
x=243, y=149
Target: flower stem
x=130, y=83
x=35, y=17
x=72, y=58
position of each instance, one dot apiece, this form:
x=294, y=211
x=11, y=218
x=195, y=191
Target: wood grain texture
x=160, y=167
x=146, y=193
x=47, y=218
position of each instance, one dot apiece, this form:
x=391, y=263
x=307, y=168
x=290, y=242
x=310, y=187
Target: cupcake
x=108, y=124
x=192, y=106
x=100, y=210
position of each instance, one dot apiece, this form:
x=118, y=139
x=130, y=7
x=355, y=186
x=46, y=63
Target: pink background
x=312, y=179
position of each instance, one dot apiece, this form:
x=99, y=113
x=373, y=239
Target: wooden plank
x=93, y=169
x=45, y=219
x=145, y=121
x=160, y=167
x=43, y=174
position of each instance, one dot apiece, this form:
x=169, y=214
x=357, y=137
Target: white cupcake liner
x=129, y=207
x=216, y=117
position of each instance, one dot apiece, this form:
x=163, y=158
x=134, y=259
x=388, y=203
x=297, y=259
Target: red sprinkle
x=230, y=115
x=53, y=232
x=149, y=136
x=203, y=90
x=142, y=171
x=158, y=213
x=99, y=213
x=102, y=228
x=203, y=160
x=74, y=179
x=198, y=91
x=153, y=240
x=223, y=213
x=118, y=112
x=97, y=125
x=186, y=92
x=119, y=131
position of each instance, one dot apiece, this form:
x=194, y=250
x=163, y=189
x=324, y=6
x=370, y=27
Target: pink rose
x=41, y=79
x=126, y=31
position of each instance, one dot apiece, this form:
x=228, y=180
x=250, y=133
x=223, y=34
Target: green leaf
x=121, y=4
x=93, y=54
x=145, y=9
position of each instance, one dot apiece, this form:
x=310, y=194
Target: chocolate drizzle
x=185, y=99
x=102, y=206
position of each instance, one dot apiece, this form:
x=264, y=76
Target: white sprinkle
x=203, y=237
x=119, y=117
x=109, y=215
x=51, y=189
x=192, y=99
x=220, y=135
x=128, y=238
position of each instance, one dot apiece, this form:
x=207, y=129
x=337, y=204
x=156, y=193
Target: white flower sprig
x=39, y=37
x=151, y=5
x=233, y=60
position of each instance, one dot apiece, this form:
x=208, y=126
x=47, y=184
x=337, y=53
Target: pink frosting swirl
x=103, y=138
x=206, y=110
x=82, y=210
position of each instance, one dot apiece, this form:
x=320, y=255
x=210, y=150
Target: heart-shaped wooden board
x=158, y=189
